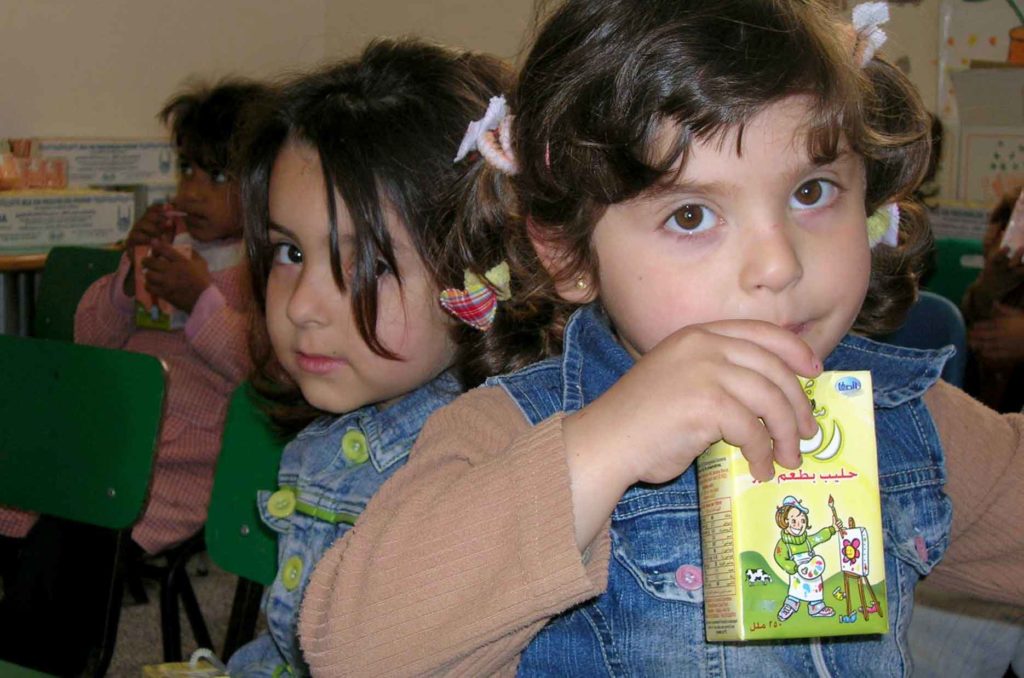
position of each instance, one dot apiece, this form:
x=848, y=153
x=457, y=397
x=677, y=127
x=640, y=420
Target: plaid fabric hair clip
x=477, y=304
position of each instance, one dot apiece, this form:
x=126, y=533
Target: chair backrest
x=66, y=276
x=236, y=537
x=933, y=322
x=957, y=264
x=78, y=429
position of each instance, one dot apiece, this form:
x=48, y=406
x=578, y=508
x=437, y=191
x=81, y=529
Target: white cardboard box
x=990, y=162
x=110, y=162
x=959, y=219
x=38, y=220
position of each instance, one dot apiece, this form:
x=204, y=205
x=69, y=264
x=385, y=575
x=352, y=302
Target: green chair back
x=67, y=274
x=8, y=670
x=78, y=429
x=236, y=538
x=957, y=264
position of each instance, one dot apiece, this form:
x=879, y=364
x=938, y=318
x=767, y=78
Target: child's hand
x=154, y=224
x=172, y=276
x=733, y=380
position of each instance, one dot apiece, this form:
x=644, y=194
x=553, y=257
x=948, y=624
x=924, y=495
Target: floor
x=138, y=638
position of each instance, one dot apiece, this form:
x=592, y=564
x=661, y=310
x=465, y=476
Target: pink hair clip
x=868, y=18
x=491, y=135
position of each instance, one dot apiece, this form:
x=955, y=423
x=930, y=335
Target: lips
x=796, y=328
x=318, y=364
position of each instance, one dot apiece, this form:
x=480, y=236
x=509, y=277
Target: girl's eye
x=219, y=177
x=382, y=268
x=185, y=168
x=692, y=219
x=286, y=253
x=814, y=193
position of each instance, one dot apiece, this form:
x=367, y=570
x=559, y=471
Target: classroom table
x=19, y=279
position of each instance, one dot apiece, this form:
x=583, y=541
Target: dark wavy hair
x=386, y=126
x=205, y=120
x=600, y=82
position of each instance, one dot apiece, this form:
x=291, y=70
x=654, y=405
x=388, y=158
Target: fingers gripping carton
x=800, y=555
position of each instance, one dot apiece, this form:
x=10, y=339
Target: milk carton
x=800, y=555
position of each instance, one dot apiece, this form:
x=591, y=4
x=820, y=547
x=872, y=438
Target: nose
x=190, y=192
x=771, y=259
x=311, y=297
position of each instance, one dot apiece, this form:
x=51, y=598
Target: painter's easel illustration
x=854, y=562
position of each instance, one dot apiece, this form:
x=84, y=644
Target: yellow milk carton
x=798, y=556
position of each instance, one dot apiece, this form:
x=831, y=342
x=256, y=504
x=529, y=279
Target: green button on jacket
x=354, y=447
x=281, y=504
x=291, y=573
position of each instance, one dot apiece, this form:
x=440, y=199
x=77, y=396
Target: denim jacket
x=327, y=476
x=649, y=621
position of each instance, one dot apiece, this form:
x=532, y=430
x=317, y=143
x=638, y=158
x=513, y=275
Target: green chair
x=236, y=538
x=78, y=430
x=957, y=264
x=66, y=276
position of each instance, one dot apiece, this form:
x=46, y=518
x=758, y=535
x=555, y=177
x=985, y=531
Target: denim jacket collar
x=391, y=432
x=594, y=360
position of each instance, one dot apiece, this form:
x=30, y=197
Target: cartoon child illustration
x=795, y=554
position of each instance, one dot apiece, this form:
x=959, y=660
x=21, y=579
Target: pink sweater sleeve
x=105, y=315
x=460, y=558
x=218, y=327
x=985, y=463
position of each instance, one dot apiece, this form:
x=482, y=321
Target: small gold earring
x=581, y=284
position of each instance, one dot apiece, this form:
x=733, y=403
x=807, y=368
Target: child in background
x=51, y=595
x=695, y=179
x=993, y=307
x=348, y=187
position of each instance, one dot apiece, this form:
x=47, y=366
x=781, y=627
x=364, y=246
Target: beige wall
x=104, y=67
x=495, y=26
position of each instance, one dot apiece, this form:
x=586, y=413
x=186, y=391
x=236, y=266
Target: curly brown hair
x=385, y=126
x=600, y=81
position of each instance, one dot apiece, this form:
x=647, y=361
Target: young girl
x=348, y=186
x=55, y=592
x=704, y=173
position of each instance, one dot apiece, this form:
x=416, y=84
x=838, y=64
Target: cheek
x=278, y=293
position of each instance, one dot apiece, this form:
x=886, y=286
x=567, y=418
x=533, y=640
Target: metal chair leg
x=245, y=609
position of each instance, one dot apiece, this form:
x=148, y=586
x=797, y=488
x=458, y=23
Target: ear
x=579, y=289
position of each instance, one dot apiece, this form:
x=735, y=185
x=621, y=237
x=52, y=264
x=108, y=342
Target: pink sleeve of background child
x=218, y=327
x=15, y=522
x=985, y=465
x=106, y=315
x=460, y=558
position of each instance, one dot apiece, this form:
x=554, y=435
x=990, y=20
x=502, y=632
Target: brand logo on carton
x=848, y=385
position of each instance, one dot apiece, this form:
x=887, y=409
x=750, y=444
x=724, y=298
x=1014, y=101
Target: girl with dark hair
x=348, y=181
x=55, y=593
x=697, y=201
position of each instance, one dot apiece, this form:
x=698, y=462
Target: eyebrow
x=274, y=226
x=669, y=189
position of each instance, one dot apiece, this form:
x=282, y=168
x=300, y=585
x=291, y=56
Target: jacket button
x=689, y=577
x=291, y=573
x=354, y=447
x=281, y=504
